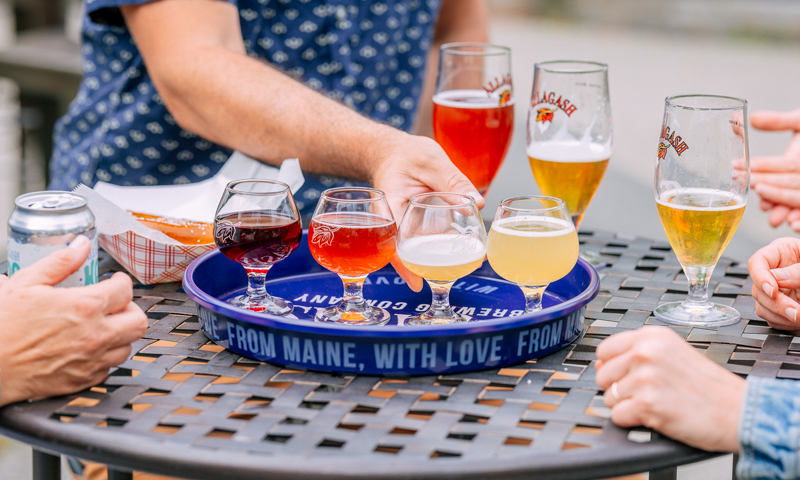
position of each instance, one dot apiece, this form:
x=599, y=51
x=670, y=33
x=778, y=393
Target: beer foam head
x=442, y=250
x=705, y=199
x=556, y=226
x=469, y=99
x=569, y=151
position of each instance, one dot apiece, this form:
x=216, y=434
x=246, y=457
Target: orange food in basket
x=184, y=231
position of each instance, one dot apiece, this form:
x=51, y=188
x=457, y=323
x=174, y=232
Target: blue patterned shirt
x=369, y=55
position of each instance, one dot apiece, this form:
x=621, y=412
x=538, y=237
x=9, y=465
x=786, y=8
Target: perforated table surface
x=183, y=406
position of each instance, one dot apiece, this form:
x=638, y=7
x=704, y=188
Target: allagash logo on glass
x=497, y=84
x=545, y=114
x=668, y=138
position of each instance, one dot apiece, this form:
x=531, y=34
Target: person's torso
x=368, y=55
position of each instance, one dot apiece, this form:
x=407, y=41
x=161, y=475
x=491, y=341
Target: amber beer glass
x=473, y=108
x=570, y=134
x=352, y=234
x=701, y=183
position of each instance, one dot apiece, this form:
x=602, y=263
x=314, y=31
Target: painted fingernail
x=78, y=242
x=792, y=314
x=781, y=274
x=767, y=289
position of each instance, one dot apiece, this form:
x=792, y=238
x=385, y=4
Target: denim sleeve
x=769, y=430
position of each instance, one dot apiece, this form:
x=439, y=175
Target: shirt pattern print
x=369, y=55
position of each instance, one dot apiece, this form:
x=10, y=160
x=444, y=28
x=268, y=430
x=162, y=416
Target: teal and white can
x=44, y=222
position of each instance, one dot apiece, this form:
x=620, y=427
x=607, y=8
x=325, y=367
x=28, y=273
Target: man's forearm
x=194, y=53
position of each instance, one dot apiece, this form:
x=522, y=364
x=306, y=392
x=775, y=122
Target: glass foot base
x=370, y=316
x=271, y=305
x=433, y=320
x=594, y=259
x=715, y=315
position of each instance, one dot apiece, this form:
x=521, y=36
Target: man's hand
x=663, y=383
x=411, y=165
x=61, y=340
x=775, y=270
x=777, y=179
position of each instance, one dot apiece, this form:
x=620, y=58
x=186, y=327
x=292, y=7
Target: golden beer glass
x=532, y=243
x=701, y=183
x=570, y=134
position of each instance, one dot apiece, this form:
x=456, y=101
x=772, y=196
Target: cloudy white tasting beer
x=699, y=223
x=569, y=170
x=442, y=257
x=474, y=129
x=532, y=250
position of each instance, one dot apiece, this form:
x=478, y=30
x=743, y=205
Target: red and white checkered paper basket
x=151, y=262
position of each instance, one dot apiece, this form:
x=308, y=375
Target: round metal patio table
x=182, y=406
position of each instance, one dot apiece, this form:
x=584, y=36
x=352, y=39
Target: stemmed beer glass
x=473, y=108
x=701, y=183
x=532, y=243
x=257, y=225
x=352, y=234
x=570, y=134
x=441, y=238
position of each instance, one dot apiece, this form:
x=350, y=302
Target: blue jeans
x=769, y=430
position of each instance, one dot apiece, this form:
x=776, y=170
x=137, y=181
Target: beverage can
x=44, y=222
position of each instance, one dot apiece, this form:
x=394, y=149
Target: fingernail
x=767, y=289
x=795, y=226
x=78, y=242
x=781, y=274
x=792, y=314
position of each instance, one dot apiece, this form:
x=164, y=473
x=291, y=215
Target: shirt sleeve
x=106, y=12
x=769, y=430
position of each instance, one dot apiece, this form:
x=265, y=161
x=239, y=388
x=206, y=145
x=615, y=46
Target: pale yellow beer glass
x=441, y=238
x=532, y=243
x=701, y=183
x=570, y=134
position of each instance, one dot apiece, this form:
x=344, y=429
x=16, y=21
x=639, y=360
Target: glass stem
x=353, y=298
x=440, y=304
x=698, y=286
x=576, y=219
x=256, y=278
x=533, y=297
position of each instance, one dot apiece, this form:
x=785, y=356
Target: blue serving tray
x=500, y=333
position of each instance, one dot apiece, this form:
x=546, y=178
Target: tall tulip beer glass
x=257, y=225
x=570, y=134
x=701, y=182
x=473, y=108
x=353, y=234
x=532, y=243
x=441, y=238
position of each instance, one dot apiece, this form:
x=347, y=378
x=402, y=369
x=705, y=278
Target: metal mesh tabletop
x=183, y=406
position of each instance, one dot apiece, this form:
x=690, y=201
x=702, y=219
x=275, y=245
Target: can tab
x=54, y=202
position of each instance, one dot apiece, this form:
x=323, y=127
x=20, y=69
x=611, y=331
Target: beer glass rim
x=559, y=204
x=591, y=67
x=489, y=49
x=414, y=200
x=326, y=195
x=231, y=187
x=737, y=103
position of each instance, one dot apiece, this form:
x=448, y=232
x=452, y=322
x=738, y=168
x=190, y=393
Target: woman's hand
x=777, y=179
x=653, y=378
x=775, y=270
x=62, y=340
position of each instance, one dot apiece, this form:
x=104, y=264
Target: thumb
x=787, y=277
x=57, y=266
x=768, y=120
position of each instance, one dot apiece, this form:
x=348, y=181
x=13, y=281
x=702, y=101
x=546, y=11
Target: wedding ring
x=614, y=392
